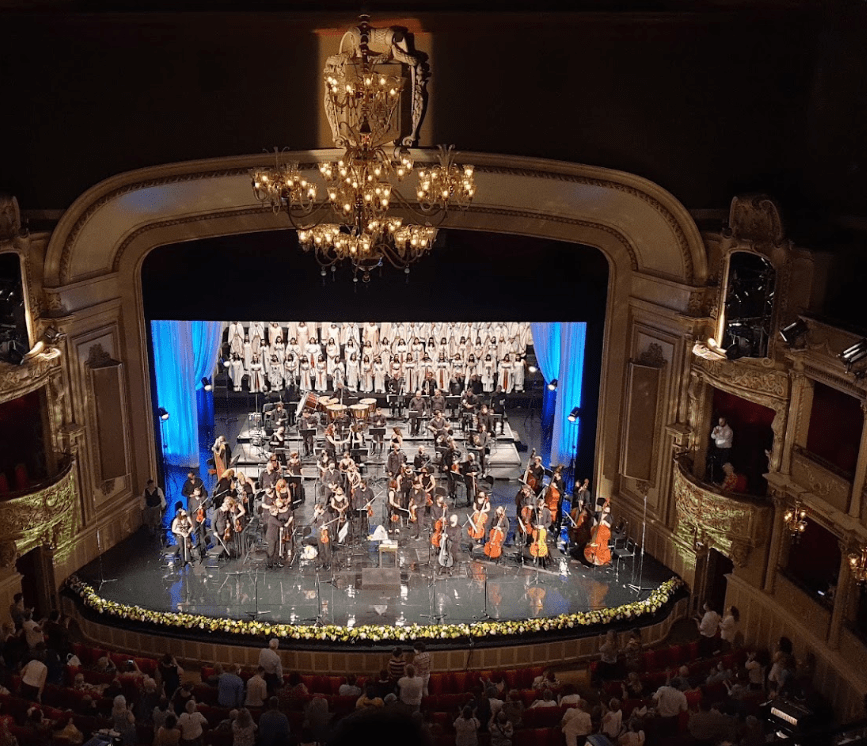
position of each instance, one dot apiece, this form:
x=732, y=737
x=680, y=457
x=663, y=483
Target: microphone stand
x=485, y=616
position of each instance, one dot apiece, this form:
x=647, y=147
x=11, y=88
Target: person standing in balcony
x=722, y=436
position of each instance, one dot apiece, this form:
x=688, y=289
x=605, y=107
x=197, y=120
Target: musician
x=450, y=464
x=277, y=439
x=439, y=426
x=182, y=528
x=481, y=514
x=222, y=455
x=581, y=492
x=307, y=428
x=501, y=521
x=416, y=409
x=281, y=492
x=404, y=484
x=225, y=487
x=339, y=506
x=470, y=470
x=456, y=385
x=469, y=402
x=480, y=441
x=192, y=484
x=453, y=533
x=440, y=511
x=332, y=441
x=293, y=469
x=498, y=407
x=280, y=416
x=197, y=503
x=273, y=521
x=395, y=511
x=420, y=459
x=417, y=505
x=486, y=419
x=330, y=482
x=154, y=505
x=538, y=472
x=362, y=498
x=357, y=444
x=397, y=437
x=429, y=485
x=437, y=402
x=543, y=515
x=244, y=490
x=394, y=462
x=429, y=384
x=321, y=528
x=557, y=483
x=269, y=477
x=322, y=463
x=378, y=421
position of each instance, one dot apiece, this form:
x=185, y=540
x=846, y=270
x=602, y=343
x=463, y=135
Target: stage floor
x=411, y=589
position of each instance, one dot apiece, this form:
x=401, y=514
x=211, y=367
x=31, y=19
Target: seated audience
x=576, y=724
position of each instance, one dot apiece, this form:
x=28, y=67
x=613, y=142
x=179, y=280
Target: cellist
x=477, y=528
x=439, y=516
x=597, y=552
x=525, y=507
x=497, y=534
x=556, y=506
x=537, y=472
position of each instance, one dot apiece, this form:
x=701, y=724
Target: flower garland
x=375, y=632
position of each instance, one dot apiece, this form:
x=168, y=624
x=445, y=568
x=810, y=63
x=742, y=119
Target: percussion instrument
x=256, y=440
x=359, y=412
x=309, y=400
x=369, y=403
x=255, y=420
x=325, y=402
x=335, y=410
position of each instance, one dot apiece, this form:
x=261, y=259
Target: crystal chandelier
x=364, y=91
x=795, y=520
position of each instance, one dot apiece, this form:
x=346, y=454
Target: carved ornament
x=822, y=482
x=18, y=380
x=43, y=517
x=731, y=524
x=652, y=356
x=762, y=381
x=756, y=218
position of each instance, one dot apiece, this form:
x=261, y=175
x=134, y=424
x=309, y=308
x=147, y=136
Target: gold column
x=845, y=587
x=777, y=530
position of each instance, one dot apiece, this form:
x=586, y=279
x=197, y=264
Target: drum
x=255, y=420
x=359, y=412
x=324, y=402
x=335, y=411
x=370, y=404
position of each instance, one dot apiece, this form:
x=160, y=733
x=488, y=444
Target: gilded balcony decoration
x=42, y=516
x=33, y=373
x=733, y=524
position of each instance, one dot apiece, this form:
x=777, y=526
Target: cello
x=476, y=529
x=597, y=552
x=539, y=547
x=529, y=479
x=494, y=545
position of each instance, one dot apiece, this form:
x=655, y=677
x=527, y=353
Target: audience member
x=421, y=661
x=576, y=724
x=384, y=685
x=32, y=631
x=161, y=713
x=243, y=729
x=123, y=721
x=257, y=689
x=230, y=688
x=369, y=699
x=169, y=674
x=38, y=725
x=350, y=687
x=569, y=697
x=728, y=628
x=147, y=700
x=755, y=671
x=168, y=734
x=708, y=625
x=501, y=730
x=192, y=724
x=270, y=661
x=681, y=681
x=708, y=726
x=634, y=735
x=33, y=676
x=612, y=720
x=273, y=725
x=633, y=687
x=466, y=728
x=396, y=665
x=318, y=719
x=670, y=702
x=546, y=699
x=183, y=695
x=410, y=688
x=632, y=651
x=608, y=653
x=16, y=610
x=514, y=708
x=546, y=680
x=56, y=633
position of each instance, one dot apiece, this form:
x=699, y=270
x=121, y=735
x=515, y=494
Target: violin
x=539, y=547
x=494, y=545
x=413, y=513
x=476, y=529
x=323, y=535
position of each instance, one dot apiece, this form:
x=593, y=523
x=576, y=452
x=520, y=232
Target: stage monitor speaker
x=380, y=579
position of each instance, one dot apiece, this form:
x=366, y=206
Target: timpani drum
x=359, y=412
x=370, y=404
x=335, y=411
x=324, y=402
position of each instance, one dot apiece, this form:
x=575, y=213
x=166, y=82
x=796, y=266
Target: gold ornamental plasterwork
x=733, y=525
x=18, y=380
x=45, y=517
x=762, y=383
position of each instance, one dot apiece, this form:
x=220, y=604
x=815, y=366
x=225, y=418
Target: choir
x=363, y=357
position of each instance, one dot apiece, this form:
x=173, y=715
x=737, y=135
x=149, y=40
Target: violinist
x=537, y=471
x=420, y=459
x=417, y=505
x=269, y=477
x=321, y=529
x=395, y=460
x=377, y=421
x=339, y=505
x=281, y=492
x=322, y=463
x=193, y=483
x=293, y=469
x=183, y=529
x=395, y=511
x=273, y=523
x=345, y=465
x=244, y=490
x=362, y=498
x=330, y=482
x=429, y=484
x=224, y=488
x=197, y=511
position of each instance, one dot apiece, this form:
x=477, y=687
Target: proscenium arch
x=652, y=245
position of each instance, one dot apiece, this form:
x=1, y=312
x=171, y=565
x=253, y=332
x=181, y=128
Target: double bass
x=597, y=552
x=529, y=479
x=552, y=498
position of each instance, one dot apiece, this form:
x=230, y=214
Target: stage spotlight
x=573, y=415
x=532, y=369
x=163, y=413
x=854, y=354
x=553, y=385
x=794, y=331
x=206, y=384
x=226, y=362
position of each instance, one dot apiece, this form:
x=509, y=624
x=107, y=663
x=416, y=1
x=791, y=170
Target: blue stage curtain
x=184, y=353
x=559, y=348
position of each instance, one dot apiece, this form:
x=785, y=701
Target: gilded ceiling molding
x=731, y=524
x=44, y=517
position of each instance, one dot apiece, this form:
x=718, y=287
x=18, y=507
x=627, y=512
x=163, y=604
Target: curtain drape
x=184, y=353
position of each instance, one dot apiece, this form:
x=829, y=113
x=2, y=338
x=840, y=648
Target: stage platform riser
x=514, y=655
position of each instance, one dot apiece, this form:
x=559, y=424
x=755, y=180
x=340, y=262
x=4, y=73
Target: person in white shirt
x=32, y=631
x=33, y=677
x=728, y=628
x=270, y=661
x=192, y=724
x=670, y=702
x=722, y=436
x=257, y=689
x=410, y=687
x=612, y=720
x=576, y=722
x=708, y=626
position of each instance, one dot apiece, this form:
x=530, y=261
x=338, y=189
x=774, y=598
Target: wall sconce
x=794, y=520
x=858, y=566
